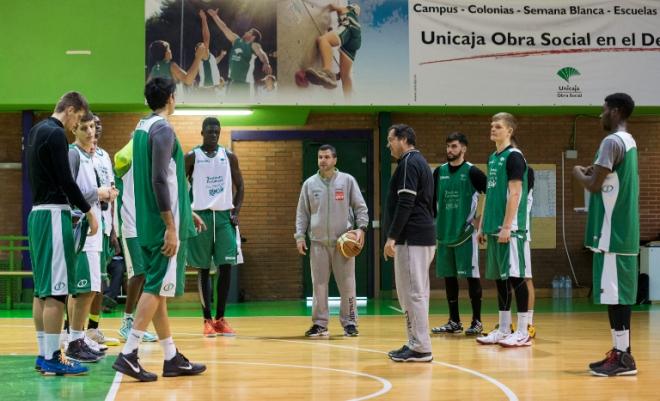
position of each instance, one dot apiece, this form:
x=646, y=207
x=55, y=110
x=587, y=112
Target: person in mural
x=612, y=231
x=163, y=66
x=348, y=37
x=209, y=74
x=240, y=56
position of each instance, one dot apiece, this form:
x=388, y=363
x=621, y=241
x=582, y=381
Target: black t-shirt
x=409, y=211
x=50, y=177
x=530, y=178
x=515, y=165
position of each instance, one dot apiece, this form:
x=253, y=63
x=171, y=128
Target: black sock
x=204, y=289
x=522, y=294
x=451, y=288
x=224, y=280
x=474, y=285
x=503, y=295
x=622, y=314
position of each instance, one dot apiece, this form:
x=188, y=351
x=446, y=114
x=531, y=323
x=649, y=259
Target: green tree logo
x=567, y=72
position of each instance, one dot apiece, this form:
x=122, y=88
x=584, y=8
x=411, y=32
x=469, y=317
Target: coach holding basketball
x=330, y=204
x=410, y=228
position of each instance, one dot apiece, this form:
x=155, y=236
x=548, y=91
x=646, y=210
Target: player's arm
x=263, y=57
x=237, y=181
x=229, y=34
x=189, y=160
x=303, y=212
x=512, y=202
x=480, y=183
x=338, y=9
x=610, y=154
x=360, y=210
x=162, y=143
x=188, y=77
x=436, y=174
x=591, y=177
x=220, y=56
x=206, y=35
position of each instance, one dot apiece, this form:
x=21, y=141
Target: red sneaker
x=222, y=328
x=209, y=328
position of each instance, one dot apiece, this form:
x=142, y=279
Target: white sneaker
x=516, y=339
x=98, y=336
x=94, y=345
x=493, y=337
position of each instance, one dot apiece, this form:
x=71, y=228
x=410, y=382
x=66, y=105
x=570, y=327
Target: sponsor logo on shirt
x=339, y=195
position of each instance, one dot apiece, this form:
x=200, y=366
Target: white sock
x=622, y=340
x=128, y=316
x=132, y=342
x=40, y=343
x=505, y=321
x=530, y=316
x=169, y=349
x=51, y=345
x=613, y=338
x=75, y=334
x=522, y=322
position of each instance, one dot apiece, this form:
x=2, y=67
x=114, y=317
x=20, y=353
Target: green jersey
x=613, y=219
x=239, y=60
x=497, y=195
x=149, y=224
x=161, y=69
x=457, y=205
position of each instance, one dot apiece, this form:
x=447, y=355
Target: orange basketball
x=348, y=244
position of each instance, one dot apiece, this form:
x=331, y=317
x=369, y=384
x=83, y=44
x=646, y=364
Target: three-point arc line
x=532, y=53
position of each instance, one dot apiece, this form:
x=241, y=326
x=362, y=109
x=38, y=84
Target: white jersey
x=86, y=181
x=103, y=166
x=212, y=64
x=211, y=181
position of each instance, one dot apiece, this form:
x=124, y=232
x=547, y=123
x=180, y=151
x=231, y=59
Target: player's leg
x=343, y=270
x=531, y=329
x=445, y=266
x=325, y=76
x=471, y=255
x=516, y=265
x=135, y=272
x=345, y=72
x=225, y=251
x=497, y=269
x=320, y=259
x=88, y=277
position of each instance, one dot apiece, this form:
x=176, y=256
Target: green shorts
x=506, y=260
x=106, y=256
x=614, y=279
x=133, y=257
x=50, y=236
x=216, y=245
x=88, y=272
x=458, y=261
x=351, y=40
x=164, y=276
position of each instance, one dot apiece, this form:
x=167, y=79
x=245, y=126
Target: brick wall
x=272, y=172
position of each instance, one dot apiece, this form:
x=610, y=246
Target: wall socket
x=571, y=154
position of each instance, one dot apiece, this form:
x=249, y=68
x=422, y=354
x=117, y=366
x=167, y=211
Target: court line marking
x=116, y=382
x=395, y=308
x=506, y=390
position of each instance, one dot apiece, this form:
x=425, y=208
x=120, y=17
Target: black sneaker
x=396, y=351
x=317, y=331
x=597, y=364
x=450, y=328
x=409, y=355
x=129, y=364
x=79, y=351
x=181, y=366
x=351, y=331
x=618, y=363
x=475, y=329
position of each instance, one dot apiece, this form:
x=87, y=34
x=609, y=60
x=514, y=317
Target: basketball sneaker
x=351, y=331
x=516, y=339
x=618, y=363
x=222, y=328
x=317, y=331
x=209, y=329
x=37, y=363
x=181, y=366
x=475, y=329
x=129, y=364
x=325, y=78
x=125, y=331
x=492, y=338
x=98, y=349
x=594, y=365
x=531, y=330
x=79, y=351
x=408, y=355
x=396, y=351
x=450, y=327
x=60, y=365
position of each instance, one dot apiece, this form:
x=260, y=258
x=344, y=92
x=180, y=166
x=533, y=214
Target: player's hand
x=170, y=242
x=199, y=223
x=504, y=236
x=114, y=243
x=360, y=236
x=212, y=13
x=202, y=14
x=93, y=223
x=481, y=237
x=388, y=249
x=302, y=247
x=267, y=69
x=104, y=194
x=233, y=217
x=201, y=50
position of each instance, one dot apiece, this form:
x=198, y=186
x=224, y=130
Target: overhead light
x=213, y=112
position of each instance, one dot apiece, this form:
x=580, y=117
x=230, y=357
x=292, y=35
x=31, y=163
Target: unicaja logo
x=566, y=73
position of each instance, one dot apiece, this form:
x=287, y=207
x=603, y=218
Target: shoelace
x=64, y=360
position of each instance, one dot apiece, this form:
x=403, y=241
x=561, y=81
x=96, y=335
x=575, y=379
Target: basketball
x=348, y=244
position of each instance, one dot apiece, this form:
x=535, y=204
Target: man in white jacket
x=330, y=204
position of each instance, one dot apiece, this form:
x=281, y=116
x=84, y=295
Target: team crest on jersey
x=339, y=194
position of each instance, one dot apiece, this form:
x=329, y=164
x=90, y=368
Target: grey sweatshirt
x=329, y=208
